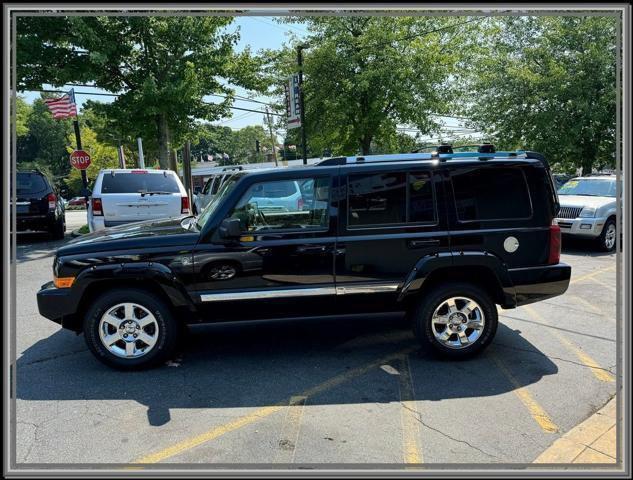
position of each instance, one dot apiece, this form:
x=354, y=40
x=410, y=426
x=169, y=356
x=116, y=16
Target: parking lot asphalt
x=330, y=392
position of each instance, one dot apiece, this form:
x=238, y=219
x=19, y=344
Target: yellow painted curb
x=592, y=441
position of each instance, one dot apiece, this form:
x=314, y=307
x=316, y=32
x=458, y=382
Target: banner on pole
x=293, y=107
x=64, y=106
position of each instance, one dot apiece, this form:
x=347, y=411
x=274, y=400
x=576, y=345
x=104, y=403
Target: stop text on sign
x=80, y=159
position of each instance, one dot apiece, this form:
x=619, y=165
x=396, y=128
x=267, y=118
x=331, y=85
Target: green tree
x=243, y=145
x=163, y=68
x=548, y=84
x=364, y=76
x=43, y=142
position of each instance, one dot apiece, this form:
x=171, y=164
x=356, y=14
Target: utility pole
x=272, y=137
x=301, y=104
x=186, y=170
x=141, y=159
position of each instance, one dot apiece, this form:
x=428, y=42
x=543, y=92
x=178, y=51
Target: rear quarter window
x=139, y=183
x=484, y=193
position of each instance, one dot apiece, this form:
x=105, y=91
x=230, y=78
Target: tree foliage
x=548, y=84
x=163, y=68
x=364, y=76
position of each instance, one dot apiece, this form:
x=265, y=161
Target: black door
x=282, y=265
x=389, y=220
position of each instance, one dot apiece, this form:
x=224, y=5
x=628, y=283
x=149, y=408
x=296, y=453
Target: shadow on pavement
x=228, y=366
x=582, y=246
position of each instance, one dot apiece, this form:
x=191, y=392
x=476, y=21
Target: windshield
x=589, y=187
x=217, y=200
x=28, y=183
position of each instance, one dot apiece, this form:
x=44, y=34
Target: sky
x=258, y=32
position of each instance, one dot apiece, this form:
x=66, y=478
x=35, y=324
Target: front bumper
x=586, y=227
x=533, y=284
x=57, y=304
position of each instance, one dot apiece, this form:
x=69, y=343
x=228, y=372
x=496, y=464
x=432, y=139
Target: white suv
x=123, y=196
x=588, y=209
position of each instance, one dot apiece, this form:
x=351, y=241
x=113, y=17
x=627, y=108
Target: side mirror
x=230, y=228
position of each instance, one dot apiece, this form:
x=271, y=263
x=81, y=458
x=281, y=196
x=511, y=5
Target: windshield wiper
x=157, y=192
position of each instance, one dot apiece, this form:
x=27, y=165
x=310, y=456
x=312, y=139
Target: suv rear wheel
x=130, y=329
x=457, y=321
x=58, y=229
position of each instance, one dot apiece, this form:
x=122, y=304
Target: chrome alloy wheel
x=128, y=330
x=609, y=237
x=458, y=322
x=222, y=272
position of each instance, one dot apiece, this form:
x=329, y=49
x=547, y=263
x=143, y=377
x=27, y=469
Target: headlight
x=588, y=212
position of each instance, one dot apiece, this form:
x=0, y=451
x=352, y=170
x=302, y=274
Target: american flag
x=64, y=106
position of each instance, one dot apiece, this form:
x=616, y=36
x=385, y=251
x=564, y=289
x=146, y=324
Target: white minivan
x=123, y=196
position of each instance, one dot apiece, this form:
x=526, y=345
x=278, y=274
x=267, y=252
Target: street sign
x=80, y=159
x=293, y=107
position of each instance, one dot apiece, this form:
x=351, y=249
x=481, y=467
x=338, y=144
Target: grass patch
x=84, y=229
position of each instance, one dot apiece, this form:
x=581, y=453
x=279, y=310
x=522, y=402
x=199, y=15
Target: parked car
x=588, y=209
x=442, y=237
x=77, y=202
x=211, y=187
x=38, y=207
x=123, y=196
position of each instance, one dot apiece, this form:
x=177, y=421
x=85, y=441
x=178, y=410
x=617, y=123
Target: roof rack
x=484, y=152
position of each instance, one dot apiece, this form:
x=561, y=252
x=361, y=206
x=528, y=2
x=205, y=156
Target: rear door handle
x=423, y=243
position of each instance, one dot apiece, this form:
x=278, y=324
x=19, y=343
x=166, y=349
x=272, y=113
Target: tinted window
x=279, y=205
x=30, y=183
x=491, y=194
x=139, y=182
x=421, y=204
x=376, y=199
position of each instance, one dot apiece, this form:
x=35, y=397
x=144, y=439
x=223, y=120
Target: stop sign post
x=80, y=159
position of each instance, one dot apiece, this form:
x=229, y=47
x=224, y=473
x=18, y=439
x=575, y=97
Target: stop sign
x=80, y=159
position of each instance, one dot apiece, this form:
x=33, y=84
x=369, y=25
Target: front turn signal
x=63, y=282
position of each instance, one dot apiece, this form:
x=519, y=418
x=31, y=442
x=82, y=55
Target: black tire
x=422, y=314
x=58, y=229
x=167, y=336
x=602, y=239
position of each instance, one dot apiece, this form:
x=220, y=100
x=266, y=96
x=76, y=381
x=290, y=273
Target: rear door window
x=491, y=194
x=390, y=199
x=139, y=183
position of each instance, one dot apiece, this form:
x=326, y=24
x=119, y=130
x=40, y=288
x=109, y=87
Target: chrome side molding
x=299, y=292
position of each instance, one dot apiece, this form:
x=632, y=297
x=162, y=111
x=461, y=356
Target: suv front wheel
x=457, y=320
x=130, y=329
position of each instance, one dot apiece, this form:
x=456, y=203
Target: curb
x=592, y=441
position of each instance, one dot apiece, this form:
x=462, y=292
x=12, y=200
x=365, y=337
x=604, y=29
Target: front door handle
x=423, y=243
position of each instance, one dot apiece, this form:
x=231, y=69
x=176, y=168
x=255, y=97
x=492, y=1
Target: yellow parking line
x=600, y=282
x=410, y=425
x=263, y=412
x=290, y=430
x=537, y=412
x=591, y=275
x=587, y=304
x=600, y=373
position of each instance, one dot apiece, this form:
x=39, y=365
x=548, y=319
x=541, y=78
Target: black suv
x=37, y=204
x=442, y=236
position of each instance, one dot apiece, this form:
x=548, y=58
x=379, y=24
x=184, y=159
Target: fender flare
x=431, y=263
x=154, y=272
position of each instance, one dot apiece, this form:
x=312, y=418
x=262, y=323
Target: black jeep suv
x=442, y=236
x=37, y=204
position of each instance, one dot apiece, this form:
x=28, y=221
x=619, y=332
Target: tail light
x=52, y=201
x=554, y=243
x=184, y=204
x=300, y=204
x=97, y=207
